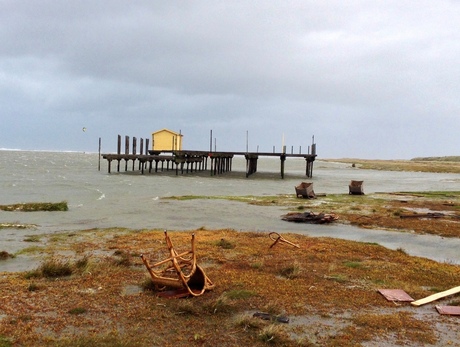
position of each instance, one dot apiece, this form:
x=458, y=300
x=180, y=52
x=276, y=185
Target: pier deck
x=190, y=161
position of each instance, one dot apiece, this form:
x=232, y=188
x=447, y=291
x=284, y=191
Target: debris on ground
x=271, y=317
x=310, y=217
x=356, y=188
x=448, y=310
x=279, y=239
x=395, y=295
x=305, y=190
x=436, y=296
x=183, y=274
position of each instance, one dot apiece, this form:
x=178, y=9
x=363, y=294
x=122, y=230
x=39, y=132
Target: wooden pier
x=185, y=161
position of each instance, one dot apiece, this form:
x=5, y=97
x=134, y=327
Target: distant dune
x=449, y=158
x=427, y=164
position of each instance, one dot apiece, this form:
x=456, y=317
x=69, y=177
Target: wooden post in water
x=126, y=145
x=141, y=148
x=99, y=164
x=283, y=159
x=134, y=150
x=126, y=151
x=118, y=152
x=251, y=163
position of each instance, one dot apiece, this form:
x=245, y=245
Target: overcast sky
x=368, y=79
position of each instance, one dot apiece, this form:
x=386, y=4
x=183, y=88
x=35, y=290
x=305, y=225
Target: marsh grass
x=258, y=265
x=292, y=271
x=237, y=294
x=121, y=258
x=248, y=322
x=5, y=342
x=401, y=250
x=185, y=307
x=82, y=263
x=36, y=206
x=340, y=278
x=5, y=255
x=275, y=335
x=221, y=314
x=32, y=238
x=377, y=210
x=51, y=268
x=31, y=250
x=432, y=164
x=148, y=285
x=401, y=324
x=33, y=287
x=223, y=304
x=96, y=340
x=225, y=244
x=55, y=268
x=77, y=310
x=353, y=264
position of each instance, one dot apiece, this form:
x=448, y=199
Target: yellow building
x=166, y=140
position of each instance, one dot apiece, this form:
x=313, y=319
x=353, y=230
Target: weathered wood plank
x=436, y=296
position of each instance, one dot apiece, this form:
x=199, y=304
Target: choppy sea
x=129, y=199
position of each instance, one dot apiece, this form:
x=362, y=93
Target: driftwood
x=310, y=217
x=430, y=215
x=423, y=215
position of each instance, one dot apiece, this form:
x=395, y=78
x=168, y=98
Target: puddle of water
x=20, y=263
x=131, y=289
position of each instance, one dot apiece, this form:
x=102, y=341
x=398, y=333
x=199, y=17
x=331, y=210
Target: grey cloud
x=330, y=66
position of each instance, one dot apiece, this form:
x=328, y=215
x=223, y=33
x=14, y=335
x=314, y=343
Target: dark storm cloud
x=377, y=79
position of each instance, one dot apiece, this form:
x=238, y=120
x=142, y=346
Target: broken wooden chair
x=305, y=190
x=274, y=236
x=356, y=188
x=182, y=274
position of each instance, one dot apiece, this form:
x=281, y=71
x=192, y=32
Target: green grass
x=36, y=206
x=51, y=268
x=5, y=342
x=32, y=238
x=239, y=294
x=33, y=287
x=338, y=278
x=77, y=310
x=30, y=250
x=292, y=271
x=225, y=244
x=353, y=264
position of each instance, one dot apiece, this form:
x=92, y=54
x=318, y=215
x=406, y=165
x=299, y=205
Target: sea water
x=128, y=199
